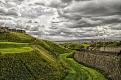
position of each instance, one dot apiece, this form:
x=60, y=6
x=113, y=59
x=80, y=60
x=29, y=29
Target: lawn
x=85, y=45
x=13, y=47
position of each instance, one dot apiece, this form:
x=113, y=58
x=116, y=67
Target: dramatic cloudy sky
x=63, y=19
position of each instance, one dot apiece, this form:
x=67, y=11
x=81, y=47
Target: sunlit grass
x=13, y=47
x=15, y=50
x=85, y=45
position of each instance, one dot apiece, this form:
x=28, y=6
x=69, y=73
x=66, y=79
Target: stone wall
x=111, y=65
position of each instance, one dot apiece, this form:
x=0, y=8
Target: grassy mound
x=54, y=49
x=16, y=37
x=35, y=60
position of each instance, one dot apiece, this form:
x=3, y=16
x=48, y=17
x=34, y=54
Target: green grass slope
x=29, y=66
x=23, y=57
x=32, y=62
x=16, y=37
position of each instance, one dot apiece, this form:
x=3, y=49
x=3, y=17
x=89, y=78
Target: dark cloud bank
x=63, y=19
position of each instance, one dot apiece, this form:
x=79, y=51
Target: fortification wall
x=109, y=64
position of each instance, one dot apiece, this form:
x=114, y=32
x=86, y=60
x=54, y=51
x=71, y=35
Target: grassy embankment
x=39, y=59
x=30, y=62
x=76, y=69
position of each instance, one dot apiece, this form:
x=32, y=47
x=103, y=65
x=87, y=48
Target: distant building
x=111, y=50
x=6, y=30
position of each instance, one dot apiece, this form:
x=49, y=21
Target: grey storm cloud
x=3, y=10
x=95, y=7
x=58, y=3
x=62, y=19
x=116, y=27
x=66, y=1
x=82, y=0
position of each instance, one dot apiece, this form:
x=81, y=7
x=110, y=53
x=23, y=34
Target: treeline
x=90, y=46
x=76, y=46
x=107, y=44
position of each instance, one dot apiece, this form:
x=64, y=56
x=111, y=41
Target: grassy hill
x=23, y=57
x=16, y=37
x=26, y=58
